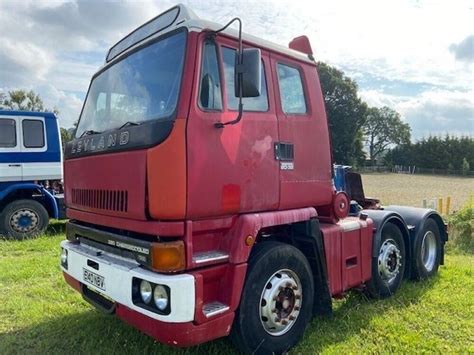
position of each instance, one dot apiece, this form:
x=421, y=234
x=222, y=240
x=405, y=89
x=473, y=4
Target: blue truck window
x=7, y=133
x=33, y=134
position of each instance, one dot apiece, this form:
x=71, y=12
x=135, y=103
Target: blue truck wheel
x=23, y=219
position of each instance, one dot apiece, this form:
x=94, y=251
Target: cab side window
x=33, y=133
x=291, y=90
x=210, y=94
x=259, y=103
x=7, y=133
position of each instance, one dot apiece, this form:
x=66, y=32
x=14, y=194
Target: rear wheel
x=389, y=266
x=276, y=302
x=427, y=251
x=23, y=218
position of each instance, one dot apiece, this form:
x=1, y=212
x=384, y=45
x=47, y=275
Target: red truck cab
x=190, y=228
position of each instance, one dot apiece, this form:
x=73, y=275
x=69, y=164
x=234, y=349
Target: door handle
x=284, y=151
x=14, y=165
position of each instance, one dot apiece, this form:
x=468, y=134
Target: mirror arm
x=239, y=74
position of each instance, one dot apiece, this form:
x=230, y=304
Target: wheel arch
x=28, y=190
x=381, y=218
x=299, y=228
x=306, y=236
x=416, y=218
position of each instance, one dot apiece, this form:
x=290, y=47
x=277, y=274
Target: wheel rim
x=428, y=250
x=280, y=302
x=389, y=261
x=24, y=220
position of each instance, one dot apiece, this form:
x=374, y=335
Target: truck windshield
x=141, y=87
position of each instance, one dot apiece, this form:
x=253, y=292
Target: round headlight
x=160, y=296
x=63, y=256
x=145, y=291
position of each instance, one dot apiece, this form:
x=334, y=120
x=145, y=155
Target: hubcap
x=24, y=221
x=280, y=302
x=428, y=250
x=389, y=261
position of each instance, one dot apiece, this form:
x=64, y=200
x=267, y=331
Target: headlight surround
x=146, y=291
x=153, y=297
x=64, y=258
x=160, y=297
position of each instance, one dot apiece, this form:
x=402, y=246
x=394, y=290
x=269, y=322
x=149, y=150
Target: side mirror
x=250, y=73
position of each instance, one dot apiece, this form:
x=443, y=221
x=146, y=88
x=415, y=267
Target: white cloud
x=60, y=44
x=433, y=112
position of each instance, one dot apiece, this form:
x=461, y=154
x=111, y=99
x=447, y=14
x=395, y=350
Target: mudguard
x=381, y=218
x=50, y=202
x=416, y=218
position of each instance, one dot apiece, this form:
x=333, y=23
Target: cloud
x=464, y=51
x=433, y=112
x=22, y=61
x=396, y=50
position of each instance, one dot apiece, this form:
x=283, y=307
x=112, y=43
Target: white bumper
x=118, y=273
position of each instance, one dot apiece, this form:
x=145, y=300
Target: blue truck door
x=40, y=151
x=10, y=166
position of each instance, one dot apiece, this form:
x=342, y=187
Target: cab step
x=214, y=308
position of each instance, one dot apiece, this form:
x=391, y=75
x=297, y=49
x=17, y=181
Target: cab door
x=303, y=149
x=10, y=163
x=232, y=169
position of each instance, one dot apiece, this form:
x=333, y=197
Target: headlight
x=145, y=291
x=160, y=296
x=64, y=257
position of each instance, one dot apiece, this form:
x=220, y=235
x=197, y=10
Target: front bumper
x=118, y=273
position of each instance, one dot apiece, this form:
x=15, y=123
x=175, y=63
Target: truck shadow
x=92, y=332
x=353, y=315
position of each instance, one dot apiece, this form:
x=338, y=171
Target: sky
x=416, y=57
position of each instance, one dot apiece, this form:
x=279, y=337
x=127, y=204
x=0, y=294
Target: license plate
x=93, y=279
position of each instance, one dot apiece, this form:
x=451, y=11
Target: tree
x=384, y=128
x=346, y=114
x=465, y=167
x=23, y=100
x=435, y=153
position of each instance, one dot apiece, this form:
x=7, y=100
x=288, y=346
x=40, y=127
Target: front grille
x=111, y=200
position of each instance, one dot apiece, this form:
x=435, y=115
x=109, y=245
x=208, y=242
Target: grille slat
x=112, y=200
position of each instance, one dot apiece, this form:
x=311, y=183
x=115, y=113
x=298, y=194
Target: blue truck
x=31, y=173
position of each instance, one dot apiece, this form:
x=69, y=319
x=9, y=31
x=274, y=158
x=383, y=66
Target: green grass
x=39, y=313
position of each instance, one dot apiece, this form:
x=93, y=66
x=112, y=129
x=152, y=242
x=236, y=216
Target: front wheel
x=277, y=299
x=389, y=265
x=23, y=218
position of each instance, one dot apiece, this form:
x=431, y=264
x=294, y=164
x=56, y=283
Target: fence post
x=440, y=205
x=448, y=204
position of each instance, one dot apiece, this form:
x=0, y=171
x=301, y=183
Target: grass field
x=39, y=313
x=412, y=189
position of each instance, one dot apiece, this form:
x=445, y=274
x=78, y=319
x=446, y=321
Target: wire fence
x=402, y=169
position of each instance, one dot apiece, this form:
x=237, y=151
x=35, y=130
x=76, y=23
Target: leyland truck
x=199, y=188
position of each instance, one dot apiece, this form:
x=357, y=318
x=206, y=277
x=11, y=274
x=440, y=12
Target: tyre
x=23, y=218
x=389, y=267
x=277, y=299
x=427, y=255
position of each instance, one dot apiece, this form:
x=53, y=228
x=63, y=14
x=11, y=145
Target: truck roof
x=188, y=19
x=47, y=115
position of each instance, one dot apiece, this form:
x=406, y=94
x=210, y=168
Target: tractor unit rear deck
x=200, y=193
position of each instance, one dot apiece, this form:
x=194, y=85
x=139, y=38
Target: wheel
x=388, y=268
x=277, y=299
x=427, y=255
x=23, y=218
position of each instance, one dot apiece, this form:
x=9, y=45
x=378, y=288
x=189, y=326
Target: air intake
x=110, y=200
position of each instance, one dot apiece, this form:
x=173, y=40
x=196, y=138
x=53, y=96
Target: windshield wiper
x=88, y=133
x=129, y=123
